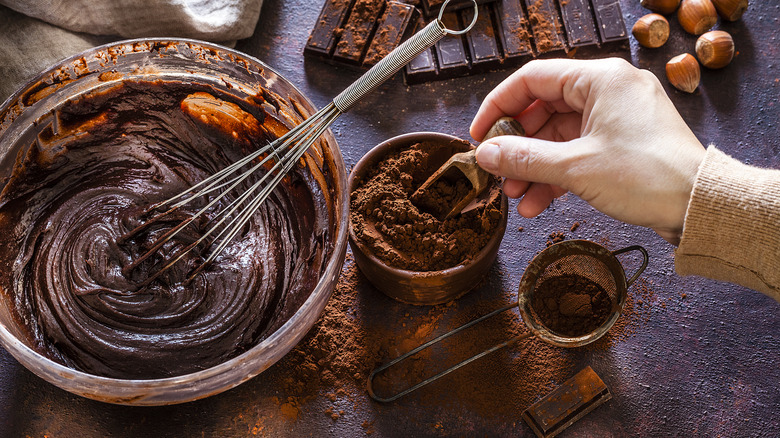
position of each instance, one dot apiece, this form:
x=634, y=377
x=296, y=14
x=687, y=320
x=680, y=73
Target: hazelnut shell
x=683, y=72
x=651, y=30
x=715, y=49
x=697, y=16
x=730, y=10
x=665, y=7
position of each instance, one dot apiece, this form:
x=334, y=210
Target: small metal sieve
x=581, y=258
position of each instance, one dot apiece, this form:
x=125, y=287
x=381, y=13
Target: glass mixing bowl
x=30, y=109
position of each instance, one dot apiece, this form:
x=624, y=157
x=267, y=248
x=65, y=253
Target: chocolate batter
x=84, y=184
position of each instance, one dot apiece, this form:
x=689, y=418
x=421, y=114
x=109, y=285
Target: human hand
x=601, y=129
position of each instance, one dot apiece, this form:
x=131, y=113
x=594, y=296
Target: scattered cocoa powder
x=571, y=305
x=336, y=356
x=396, y=231
x=555, y=237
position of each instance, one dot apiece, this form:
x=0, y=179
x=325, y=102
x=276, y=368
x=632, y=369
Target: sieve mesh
x=580, y=258
x=580, y=265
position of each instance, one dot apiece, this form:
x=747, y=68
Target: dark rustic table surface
x=695, y=358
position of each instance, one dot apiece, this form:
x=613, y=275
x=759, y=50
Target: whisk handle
x=398, y=58
x=390, y=64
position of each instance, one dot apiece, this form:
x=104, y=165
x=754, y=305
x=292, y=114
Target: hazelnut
x=651, y=31
x=730, y=10
x=715, y=49
x=683, y=72
x=697, y=16
x=661, y=6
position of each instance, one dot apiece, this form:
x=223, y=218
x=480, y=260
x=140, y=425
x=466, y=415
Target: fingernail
x=487, y=156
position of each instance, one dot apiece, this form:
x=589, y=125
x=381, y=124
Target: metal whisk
x=281, y=155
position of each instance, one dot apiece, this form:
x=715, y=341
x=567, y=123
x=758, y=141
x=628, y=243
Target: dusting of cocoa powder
x=396, y=231
x=334, y=359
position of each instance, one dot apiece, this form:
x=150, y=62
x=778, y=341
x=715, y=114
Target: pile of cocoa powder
x=386, y=221
x=571, y=305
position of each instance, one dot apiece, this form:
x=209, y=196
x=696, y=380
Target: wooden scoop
x=465, y=164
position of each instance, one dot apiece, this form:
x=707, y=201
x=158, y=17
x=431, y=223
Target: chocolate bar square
x=325, y=34
x=482, y=44
x=545, y=25
x=512, y=32
x=358, y=30
x=450, y=52
x=396, y=25
x=578, y=22
x=421, y=69
x=566, y=404
x=609, y=17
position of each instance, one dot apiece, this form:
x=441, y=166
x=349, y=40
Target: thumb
x=528, y=159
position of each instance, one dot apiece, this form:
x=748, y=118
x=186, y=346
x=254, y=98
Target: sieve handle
x=645, y=259
x=370, y=383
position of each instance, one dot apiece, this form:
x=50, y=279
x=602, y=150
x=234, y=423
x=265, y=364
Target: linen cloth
x=35, y=34
x=732, y=226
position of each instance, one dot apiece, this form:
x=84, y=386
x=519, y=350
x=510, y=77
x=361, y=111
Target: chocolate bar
x=566, y=404
x=355, y=36
x=545, y=25
x=609, y=18
x=512, y=32
x=482, y=43
x=578, y=22
x=395, y=26
x=325, y=34
x=450, y=51
x=507, y=33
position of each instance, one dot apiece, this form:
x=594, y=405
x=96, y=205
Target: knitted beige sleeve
x=732, y=227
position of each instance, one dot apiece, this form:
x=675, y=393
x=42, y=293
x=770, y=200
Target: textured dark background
x=705, y=364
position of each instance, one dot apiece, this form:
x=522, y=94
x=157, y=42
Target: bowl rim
x=398, y=142
x=94, y=386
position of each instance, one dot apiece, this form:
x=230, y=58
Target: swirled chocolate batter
x=84, y=183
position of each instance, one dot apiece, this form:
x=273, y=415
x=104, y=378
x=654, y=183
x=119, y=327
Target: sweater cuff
x=732, y=226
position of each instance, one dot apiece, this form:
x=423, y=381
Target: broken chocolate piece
x=545, y=25
x=482, y=43
x=357, y=31
x=324, y=36
x=578, y=21
x=566, y=404
x=395, y=26
x=512, y=31
x=609, y=18
x=450, y=51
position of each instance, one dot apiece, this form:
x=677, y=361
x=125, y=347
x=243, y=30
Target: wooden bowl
x=421, y=287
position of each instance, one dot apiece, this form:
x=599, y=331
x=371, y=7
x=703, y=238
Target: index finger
x=567, y=80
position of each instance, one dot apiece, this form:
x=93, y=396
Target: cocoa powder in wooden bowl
x=404, y=251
